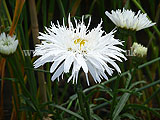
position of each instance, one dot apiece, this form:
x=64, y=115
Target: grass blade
x=120, y=105
x=62, y=10
x=143, y=107
x=18, y=9
x=67, y=111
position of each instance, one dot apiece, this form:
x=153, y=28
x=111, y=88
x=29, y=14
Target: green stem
x=56, y=100
x=56, y=92
x=81, y=101
x=7, y=12
x=87, y=109
x=62, y=10
x=49, y=83
x=114, y=96
x=92, y=6
x=64, y=93
x=153, y=95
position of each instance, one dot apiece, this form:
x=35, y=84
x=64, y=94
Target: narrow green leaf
x=102, y=99
x=136, y=83
x=128, y=80
x=127, y=115
x=143, y=107
x=62, y=10
x=96, y=117
x=106, y=89
x=152, y=96
x=149, y=85
x=38, y=70
x=92, y=6
x=120, y=105
x=11, y=79
x=67, y=111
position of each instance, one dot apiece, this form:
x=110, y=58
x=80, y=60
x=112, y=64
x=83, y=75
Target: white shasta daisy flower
x=8, y=44
x=77, y=47
x=129, y=20
x=138, y=50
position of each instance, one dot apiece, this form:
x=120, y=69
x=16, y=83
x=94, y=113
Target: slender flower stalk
x=81, y=100
x=129, y=20
x=78, y=48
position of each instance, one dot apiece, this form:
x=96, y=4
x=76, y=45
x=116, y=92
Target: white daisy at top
x=74, y=48
x=8, y=44
x=129, y=20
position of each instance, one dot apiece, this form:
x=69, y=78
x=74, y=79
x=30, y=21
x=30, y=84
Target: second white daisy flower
x=129, y=20
x=77, y=47
x=8, y=44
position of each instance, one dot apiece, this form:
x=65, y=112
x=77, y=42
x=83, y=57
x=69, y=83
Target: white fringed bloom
x=138, y=50
x=77, y=47
x=129, y=20
x=8, y=44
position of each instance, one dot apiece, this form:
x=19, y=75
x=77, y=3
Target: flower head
x=77, y=47
x=138, y=50
x=8, y=44
x=129, y=20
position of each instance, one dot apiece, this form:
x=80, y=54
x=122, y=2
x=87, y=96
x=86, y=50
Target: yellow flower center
x=80, y=41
